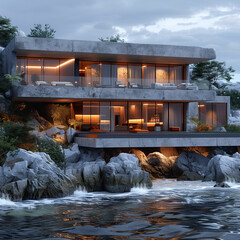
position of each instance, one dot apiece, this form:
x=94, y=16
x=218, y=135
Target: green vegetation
x=200, y=126
x=6, y=144
x=60, y=113
x=232, y=128
x=39, y=32
x=211, y=72
x=6, y=82
x=113, y=38
x=234, y=97
x=54, y=151
x=7, y=31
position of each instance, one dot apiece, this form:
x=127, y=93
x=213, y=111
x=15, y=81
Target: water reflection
x=171, y=210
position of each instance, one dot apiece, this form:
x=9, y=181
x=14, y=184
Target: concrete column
x=187, y=74
x=191, y=112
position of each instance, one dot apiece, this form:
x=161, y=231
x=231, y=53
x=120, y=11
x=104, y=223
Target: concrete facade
x=105, y=51
x=52, y=93
x=143, y=142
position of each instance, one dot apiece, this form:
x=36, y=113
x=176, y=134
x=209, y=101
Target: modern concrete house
x=125, y=94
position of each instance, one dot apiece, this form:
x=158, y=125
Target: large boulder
x=190, y=162
x=161, y=165
x=92, y=175
x=223, y=168
x=122, y=173
x=33, y=175
x=54, y=131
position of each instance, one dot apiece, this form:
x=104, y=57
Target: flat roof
x=110, y=51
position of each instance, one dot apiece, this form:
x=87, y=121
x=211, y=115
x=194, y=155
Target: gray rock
x=219, y=129
x=72, y=154
x=122, y=173
x=190, y=176
x=222, y=185
x=53, y=131
x=192, y=162
x=33, y=175
x=92, y=175
x=223, y=168
x=70, y=134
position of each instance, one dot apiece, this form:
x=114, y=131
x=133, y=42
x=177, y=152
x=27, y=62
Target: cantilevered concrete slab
x=147, y=140
x=52, y=93
x=109, y=51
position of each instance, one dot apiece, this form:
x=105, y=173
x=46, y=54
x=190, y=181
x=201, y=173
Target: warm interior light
x=136, y=121
x=58, y=66
x=201, y=105
x=144, y=66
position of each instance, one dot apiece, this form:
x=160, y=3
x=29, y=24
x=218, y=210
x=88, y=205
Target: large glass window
x=105, y=116
x=66, y=70
x=148, y=75
x=175, y=116
x=119, y=116
x=135, y=74
x=105, y=70
x=162, y=74
x=134, y=115
x=176, y=74
x=213, y=114
x=149, y=116
x=35, y=70
x=21, y=69
x=89, y=74
x=119, y=75
x=51, y=70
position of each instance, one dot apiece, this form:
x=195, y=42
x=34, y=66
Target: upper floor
x=93, y=67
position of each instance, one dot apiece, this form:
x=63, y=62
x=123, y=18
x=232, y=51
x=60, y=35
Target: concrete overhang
x=110, y=51
x=71, y=94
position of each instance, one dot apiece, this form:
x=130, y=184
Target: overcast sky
x=204, y=23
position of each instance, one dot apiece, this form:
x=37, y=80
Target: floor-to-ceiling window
x=119, y=75
x=123, y=116
x=213, y=114
x=148, y=75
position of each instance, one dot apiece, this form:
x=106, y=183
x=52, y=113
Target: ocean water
x=170, y=210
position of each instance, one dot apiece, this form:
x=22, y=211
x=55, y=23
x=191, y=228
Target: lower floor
x=143, y=116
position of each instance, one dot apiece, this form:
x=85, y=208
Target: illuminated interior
x=129, y=116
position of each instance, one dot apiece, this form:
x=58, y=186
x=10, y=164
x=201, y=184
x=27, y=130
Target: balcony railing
x=105, y=82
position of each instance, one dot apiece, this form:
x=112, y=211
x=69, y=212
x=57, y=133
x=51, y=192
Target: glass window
x=175, y=116
x=149, y=116
x=135, y=74
x=66, y=70
x=119, y=75
x=105, y=70
x=148, y=75
x=95, y=116
x=162, y=74
x=89, y=74
x=51, y=70
x=119, y=116
x=134, y=115
x=105, y=116
x=176, y=74
x=206, y=113
x=220, y=110
x=35, y=70
x=21, y=69
x=86, y=124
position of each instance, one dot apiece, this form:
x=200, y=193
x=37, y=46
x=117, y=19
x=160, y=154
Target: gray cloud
x=89, y=20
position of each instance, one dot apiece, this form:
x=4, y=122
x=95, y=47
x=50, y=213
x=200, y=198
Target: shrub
x=53, y=149
x=17, y=130
x=232, y=128
x=6, y=144
x=60, y=113
x=204, y=128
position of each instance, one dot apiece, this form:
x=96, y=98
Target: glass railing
x=106, y=82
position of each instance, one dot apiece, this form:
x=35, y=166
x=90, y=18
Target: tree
x=7, y=31
x=212, y=72
x=113, y=38
x=38, y=32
